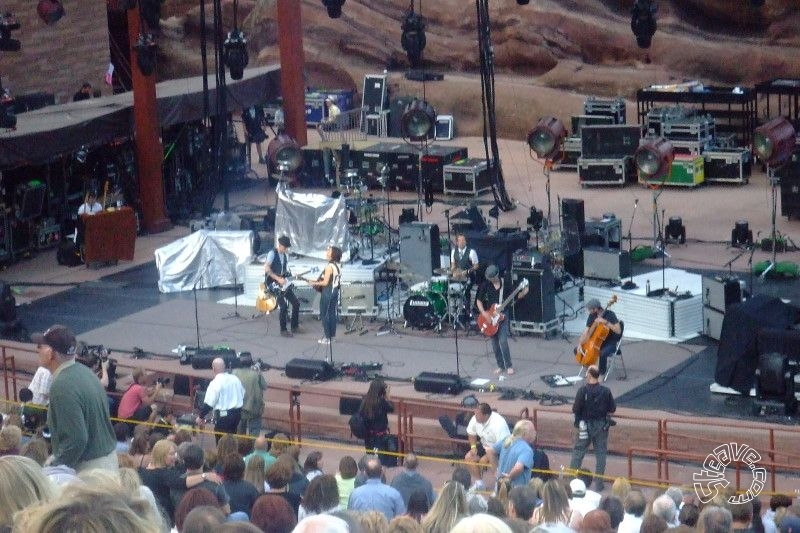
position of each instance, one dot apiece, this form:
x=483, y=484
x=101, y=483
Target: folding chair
x=612, y=361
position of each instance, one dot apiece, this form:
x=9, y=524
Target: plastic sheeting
x=204, y=259
x=312, y=222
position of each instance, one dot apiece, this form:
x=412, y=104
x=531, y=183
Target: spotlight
x=675, y=230
x=235, y=53
x=8, y=23
x=774, y=141
x=741, y=234
x=146, y=53
x=82, y=154
x=546, y=138
x=334, y=8
x=413, y=38
x=151, y=12
x=285, y=153
x=50, y=11
x=654, y=158
x=643, y=21
x=418, y=120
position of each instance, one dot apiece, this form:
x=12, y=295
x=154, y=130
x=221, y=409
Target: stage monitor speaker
x=498, y=248
x=610, y=265
x=572, y=209
x=539, y=305
x=202, y=358
x=396, y=110
x=438, y=383
x=420, y=248
x=309, y=369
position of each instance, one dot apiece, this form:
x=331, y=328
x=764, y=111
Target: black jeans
x=285, y=299
x=228, y=423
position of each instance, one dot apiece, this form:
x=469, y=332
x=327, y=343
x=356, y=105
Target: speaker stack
x=539, y=305
x=420, y=247
x=572, y=215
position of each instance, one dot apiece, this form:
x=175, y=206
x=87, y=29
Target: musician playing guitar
x=609, y=320
x=491, y=293
x=276, y=272
x=329, y=284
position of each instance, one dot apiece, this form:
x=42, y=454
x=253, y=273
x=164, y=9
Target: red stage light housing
x=654, y=157
x=547, y=137
x=774, y=141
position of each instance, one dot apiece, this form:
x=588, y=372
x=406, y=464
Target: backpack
x=358, y=427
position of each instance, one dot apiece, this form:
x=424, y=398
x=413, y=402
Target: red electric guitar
x=490, y=327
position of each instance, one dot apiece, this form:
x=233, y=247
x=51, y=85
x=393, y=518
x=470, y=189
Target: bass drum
x=424, y=311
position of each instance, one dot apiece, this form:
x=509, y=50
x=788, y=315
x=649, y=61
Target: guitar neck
x=510, y=297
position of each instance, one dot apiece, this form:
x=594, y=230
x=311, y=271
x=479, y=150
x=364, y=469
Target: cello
x=588, y=353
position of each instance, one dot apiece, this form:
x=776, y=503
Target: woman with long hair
x=375, y=409
x=312, y=467
x=22, y=484
x=555, y=507
x=255, y=473
x=447, y=510
x=321, y=497
x=329, y=283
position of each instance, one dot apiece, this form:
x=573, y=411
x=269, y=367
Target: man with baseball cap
x=610, y=320
x=78, y=418
x=276, y=273
x=492, y=292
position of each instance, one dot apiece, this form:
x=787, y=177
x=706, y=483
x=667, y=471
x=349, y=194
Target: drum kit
x=438, y=301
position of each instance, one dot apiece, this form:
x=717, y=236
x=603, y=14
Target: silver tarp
x=204, y=259
x=312, y=222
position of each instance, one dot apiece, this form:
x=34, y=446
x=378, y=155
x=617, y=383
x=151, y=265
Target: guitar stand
x=356, y=324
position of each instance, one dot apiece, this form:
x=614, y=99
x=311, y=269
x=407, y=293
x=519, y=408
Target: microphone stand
x=628, y=285
x=235, y=313
x=194, y=292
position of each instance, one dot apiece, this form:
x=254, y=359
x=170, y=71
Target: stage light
x=546, y=138
x=235, y=53
x=774, y=141
x=334, y=8
x=418, y=120
x=741, y=234
x=413, y=38
x=50, y=11
x=675, y=230
x=8, y=23
x=643, y=21
x=146, y=53
x=285, y=153
x=654, y=158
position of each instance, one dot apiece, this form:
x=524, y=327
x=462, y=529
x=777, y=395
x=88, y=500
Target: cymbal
x=441, y=271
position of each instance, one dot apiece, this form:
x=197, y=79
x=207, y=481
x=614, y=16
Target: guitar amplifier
x=606, y=264
x=358, y=299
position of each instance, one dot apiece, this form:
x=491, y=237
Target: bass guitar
x=490, y=327
x=588, y=353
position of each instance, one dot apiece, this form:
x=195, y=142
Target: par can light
x=418, y=120
x=284, y=153
x=546, y=138
x=774, y=141
x=654, y=158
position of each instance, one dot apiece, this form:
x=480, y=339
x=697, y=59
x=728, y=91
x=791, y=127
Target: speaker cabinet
x=309, y=369
x=712, y=323
x=539, y=305
x=203, y=358
x=719, y=293
x=572, y=209
x=357, y=299
x=437, y=383
x=606, y=264
x=375, y=94
x=420, y=247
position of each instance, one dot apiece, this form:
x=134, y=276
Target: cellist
x=599, y=317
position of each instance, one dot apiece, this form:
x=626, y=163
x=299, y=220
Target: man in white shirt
x=225, y=396
x=40, y=386
x=581, y=500
x=485, y=428
x=91, y=205
x=635, y=505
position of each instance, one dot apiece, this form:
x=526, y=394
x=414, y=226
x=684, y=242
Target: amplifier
x=527, y=258
x=203, y=357
x=721, y=292
x=733, y=165
x=539, y=305
x=438, y=383
x=312, y=173
x=712, y=322
x=658, y=116
x=309, y=369
x=606, y=264
x=420, y=248
x=571, y=152
x=401, y=158
x=789, y=176
x=358, y=299
x=609, y=142
x=579, y=121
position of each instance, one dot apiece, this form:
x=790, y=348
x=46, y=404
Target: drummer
x=463, y=260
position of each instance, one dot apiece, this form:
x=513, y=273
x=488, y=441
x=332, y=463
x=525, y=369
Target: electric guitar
x=490, y=327
x=588, y=353
x=274, y=287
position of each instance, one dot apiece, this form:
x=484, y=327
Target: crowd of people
x=84, y=474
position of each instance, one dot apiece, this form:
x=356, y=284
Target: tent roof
x=46, y=134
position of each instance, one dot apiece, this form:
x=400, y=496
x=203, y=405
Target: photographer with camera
x=592, y=409
x=138, y=402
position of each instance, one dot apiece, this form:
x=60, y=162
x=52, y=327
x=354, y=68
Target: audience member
x=273, y=514
x=22, y=484
x=664, y=506
x=521, y=502
x=255, y=474
x=410, y=480
x=579, y=500
x=139, y=449
x=418, y=505
x=714, y=519
x=484, y=430
x=689, y=514
x=404, y=524
x=555, y=507
x=193, y=460
x=254, y=387
x=78, y=416
x=613, y=506
x=375, y=495
x=635, y=505
x=203, y=519
x=238, y=526
x=346, y=479
x=777, y=501
x=481, y=523
x=84, y=93
x=513, y=456
x=463, y=476
x=261, y=449
x=495, y=507
x=653, y=524
x=742, y=515
x=321, y=497
x=447, y=510
x=227, y=444
x=278, y=481
x=620, y=488
x=757, y=524
x=790, y=524
x=328, y=524
x=137, y=402
x=40, y=386
x=372, y=521
x=225, y=396
x=192, y=499
x=312, y=466
x=242, y=494
x=36, y=449
x=595, y=521
x=297, y=480
x=10, y=440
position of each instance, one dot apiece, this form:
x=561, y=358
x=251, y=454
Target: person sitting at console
x=91, y=205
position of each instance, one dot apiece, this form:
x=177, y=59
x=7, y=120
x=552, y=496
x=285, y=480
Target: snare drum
x=419, y=288
x=455, y=289
x=424, y=311
x=439, y=284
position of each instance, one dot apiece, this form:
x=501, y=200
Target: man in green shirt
x=254, y=386
x=78, y=417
